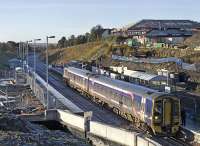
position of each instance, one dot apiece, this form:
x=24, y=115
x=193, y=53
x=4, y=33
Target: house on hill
x=163, y=31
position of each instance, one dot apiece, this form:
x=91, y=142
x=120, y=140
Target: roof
x=117, y=84
x=81, y=72
x=156, y=24
x=168, y=33
x=144, y=76
x=125, y=86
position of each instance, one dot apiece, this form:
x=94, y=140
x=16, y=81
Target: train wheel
x=129, y=117
x=144, y=126
x=123, y=115
x=115, y=110
x=150, y=131
x=137, y=123
x=106, y=105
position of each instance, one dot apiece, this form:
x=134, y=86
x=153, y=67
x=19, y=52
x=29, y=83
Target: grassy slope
x=85, y=52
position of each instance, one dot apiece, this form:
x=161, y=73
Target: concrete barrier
x=196, y=137
x=117, y=135
x=141, y=141
x=73, y=120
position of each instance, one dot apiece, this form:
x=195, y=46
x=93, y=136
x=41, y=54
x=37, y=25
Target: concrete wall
x=114, y=134
x=73, y=120
x=120, y=136
x=146, y=142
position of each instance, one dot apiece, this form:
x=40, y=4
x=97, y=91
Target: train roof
x=80, y=72
x=117, y=84
x=126, y=87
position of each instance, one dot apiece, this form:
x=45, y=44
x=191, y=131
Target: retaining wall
x=114, y=134
x=107, y=132
x=68, y=118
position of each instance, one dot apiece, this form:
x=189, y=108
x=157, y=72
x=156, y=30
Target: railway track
x=100, y=114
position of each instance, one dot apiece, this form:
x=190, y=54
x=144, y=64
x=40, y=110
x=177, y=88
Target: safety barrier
x=120, y=136
x=68, y=118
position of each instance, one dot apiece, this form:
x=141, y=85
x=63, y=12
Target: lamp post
x=47, y=67
x=34, y=64
x=18, y=54
x=27, y=47
x=23, y=55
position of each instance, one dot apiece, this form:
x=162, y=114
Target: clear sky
x=27, y=19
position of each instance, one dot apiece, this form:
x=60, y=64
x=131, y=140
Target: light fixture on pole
x=47, y=67
x=27, y=47
x=34, y=64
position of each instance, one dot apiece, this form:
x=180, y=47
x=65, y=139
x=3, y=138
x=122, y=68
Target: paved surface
x=99, y=114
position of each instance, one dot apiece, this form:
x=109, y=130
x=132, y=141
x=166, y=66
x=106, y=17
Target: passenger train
x=156, y=111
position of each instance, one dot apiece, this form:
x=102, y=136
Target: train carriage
x=159, y=111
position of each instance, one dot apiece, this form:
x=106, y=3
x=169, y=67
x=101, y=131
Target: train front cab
x=166, y=116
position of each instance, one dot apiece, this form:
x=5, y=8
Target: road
x=100, y=114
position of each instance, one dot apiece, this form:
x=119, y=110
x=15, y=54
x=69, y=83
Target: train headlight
x=156, y=117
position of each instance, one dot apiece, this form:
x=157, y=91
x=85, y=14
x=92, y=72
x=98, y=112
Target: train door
x=167, y=112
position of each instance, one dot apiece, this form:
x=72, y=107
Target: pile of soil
x=15, y=131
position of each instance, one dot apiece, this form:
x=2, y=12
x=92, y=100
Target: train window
x=175, y=108
x=137, y=102
x=113, y=94
x=117, y=97
x=107, y=91
x=148, y=107
x=158, y=111
x=95, y=86
x=127, y=99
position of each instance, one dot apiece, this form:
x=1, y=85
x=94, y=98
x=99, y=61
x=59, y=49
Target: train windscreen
x=175, y=112
x=158, y=112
